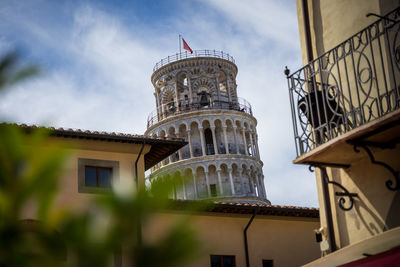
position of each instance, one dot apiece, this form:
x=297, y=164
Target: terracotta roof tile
x=250, y=208
x=160, y=147
x=101, y=133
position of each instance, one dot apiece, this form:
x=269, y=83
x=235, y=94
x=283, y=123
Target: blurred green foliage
x=30, y=168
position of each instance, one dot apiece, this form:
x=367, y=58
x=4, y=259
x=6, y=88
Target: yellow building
x=345, y=105
x=241, y=234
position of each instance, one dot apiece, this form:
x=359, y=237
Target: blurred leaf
x=12, y=72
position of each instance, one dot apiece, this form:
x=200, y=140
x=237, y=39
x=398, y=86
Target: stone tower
x=197, y=100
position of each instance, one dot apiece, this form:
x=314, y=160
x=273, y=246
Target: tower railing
x=171, y=109
x=354, y=83
x=196, y=53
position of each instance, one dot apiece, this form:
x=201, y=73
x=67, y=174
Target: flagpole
x=180, y=51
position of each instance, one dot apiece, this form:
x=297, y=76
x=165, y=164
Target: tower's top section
x=201, y=81
x=196, y=53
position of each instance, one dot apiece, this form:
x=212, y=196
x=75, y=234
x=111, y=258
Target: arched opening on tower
x=209, y=142
x=226, y=183
x=168, y=103
x=204, y=100
x=219, y=137
x=246, y=180
x=185, y=151
x=231, y=137
x=195, y=138
x=222, y=84
x=190, y=186
x=202, y=185
x=213, y=181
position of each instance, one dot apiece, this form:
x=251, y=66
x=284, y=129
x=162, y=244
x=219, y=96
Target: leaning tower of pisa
x=196, y=99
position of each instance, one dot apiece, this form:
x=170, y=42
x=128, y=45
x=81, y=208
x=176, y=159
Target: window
x=222, y=261
x=268, y=263
x=213, y=190
x=96, y=176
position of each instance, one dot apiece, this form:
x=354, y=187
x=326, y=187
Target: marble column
x=253, y=153
x=225, y=140
x=176, y=99
x=203, y=143
x=195, y=186
x=256, y=145
x=207, y=184
x=259, y=190
x=184, y=188
x=169, y=157
x=241, y=180
x=236, y=139
x=244, y=141
x=221, y=189
x=163, y=111
x=180, y=154
x=156, y=95
x=190, y=142
x=231, y=181
x=189, y=84
x=263, y=186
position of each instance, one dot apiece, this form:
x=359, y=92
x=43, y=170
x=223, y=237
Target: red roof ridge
x=94, y=132
x=247, y=204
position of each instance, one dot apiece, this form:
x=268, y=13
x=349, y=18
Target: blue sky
x=97, y=58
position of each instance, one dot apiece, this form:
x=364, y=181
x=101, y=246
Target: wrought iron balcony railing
x=196, y=53
x=171, y=109
x=352, y=84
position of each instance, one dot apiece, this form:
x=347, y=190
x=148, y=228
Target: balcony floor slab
x=339, y=151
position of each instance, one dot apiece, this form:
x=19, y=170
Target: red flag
x=186, y=46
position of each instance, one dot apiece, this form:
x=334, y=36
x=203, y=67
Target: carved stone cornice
x=193, y=62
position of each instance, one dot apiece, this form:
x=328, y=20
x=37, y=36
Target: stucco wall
x=288, y=241
x=376, y=207
x=125, y=154
x=332, y=22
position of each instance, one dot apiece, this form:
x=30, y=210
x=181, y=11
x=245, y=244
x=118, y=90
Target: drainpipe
x=139, y=225
x=246, y=248
x=328, y=209
x=307, y=31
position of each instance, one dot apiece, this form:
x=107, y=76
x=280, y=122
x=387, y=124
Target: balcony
x=171, y=109
x=349, y=94
x=196, y=53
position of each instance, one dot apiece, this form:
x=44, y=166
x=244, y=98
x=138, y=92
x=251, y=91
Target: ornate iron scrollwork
x=321, y=93
x=342, y=195
x=393, y=186
x=345, y=193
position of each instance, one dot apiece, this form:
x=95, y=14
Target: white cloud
x=263, y=38
x=269, y=20
x=106, y=83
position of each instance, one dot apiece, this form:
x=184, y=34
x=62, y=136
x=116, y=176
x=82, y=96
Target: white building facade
x=196, y=99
